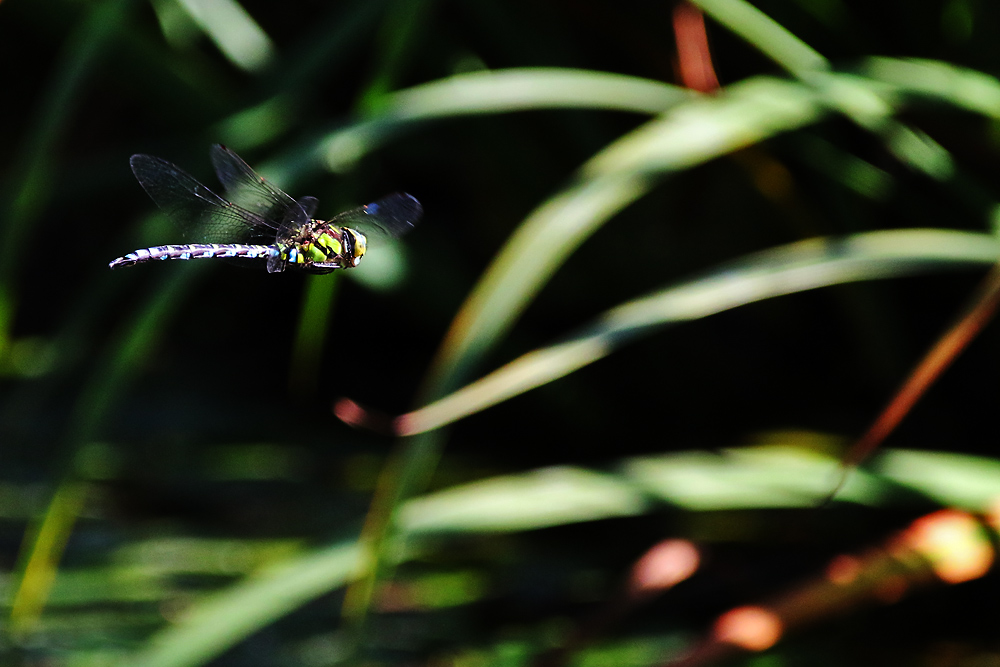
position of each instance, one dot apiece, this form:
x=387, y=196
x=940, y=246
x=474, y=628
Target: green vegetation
x=633, y=315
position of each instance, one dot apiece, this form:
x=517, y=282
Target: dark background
x=204, y=435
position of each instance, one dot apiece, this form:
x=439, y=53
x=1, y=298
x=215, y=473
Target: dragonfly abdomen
x=194, y=251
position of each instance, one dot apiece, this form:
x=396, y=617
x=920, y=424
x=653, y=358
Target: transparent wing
x=309, y=205
x=202, y=215
x=388, y=217
x=245, y=188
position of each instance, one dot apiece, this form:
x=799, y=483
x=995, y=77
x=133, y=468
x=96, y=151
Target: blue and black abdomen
x=194, y=251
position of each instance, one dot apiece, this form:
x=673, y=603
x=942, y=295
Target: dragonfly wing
x=246, y=189
x=388, y=217
x=309, y=205
x=201, y=214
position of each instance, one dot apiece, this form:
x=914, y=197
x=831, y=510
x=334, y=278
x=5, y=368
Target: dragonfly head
x=355, y=245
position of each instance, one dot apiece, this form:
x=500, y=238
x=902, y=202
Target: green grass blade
x=800, y=266
x=767, y=35
x=949, y=478
x=527, y=501
x=46, y=538
x=959, y=86
x=690, y=134
x=222, y=620
x=234, y=31
x=499, y=91
x=786, y=471
x=27, y=191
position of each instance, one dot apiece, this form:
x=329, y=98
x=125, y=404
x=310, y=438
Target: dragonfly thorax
x=320, y=247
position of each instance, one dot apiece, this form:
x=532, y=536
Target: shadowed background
x=168, y=430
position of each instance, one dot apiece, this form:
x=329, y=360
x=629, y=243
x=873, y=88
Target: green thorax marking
x=319, y=247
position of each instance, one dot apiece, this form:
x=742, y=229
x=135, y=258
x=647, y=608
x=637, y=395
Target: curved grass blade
x=779, y=473
x=234, y=31
x=959, y=86
x=31, y=173
x=46, y=538
x=497, y=91
x=925, y=373
x=690, y=134
x=765, y=34
x=793, y=268
x=222, y=620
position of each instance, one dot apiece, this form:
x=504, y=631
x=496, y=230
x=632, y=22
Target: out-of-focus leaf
x=216, y=623
x=766, y=476
x=784, y=270
x=541, y=498
x=498, y=91
x=957, y=480
x=27, y=190
x=47, y=536
x=234, y=31
x=752, y=477
x=766, y=34
x=849, y=170
x=689, y=134
x=970, y=89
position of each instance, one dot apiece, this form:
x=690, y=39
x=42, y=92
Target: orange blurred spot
x=843, y=570
x=349, y=412
x=355, y=415
x=666, y=564
x=750, y=628
x=954, y=544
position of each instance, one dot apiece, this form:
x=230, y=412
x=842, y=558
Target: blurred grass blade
x=767, y=35
x=399, y=29
x=949, y=478
x=690, y=134
x=869, y=104
x=30, y=176
x=403, y=22
x=215, y=624
x=959, y=86
x=843, y=167
x=528, y=501
x=708, y=127
x=45, y=544
x=784, y=270
x=315, y=317
x=46, y=538
x=234, y=31
x=980, y=312
x=769, y=475
x=783, y=471
x=499, y=91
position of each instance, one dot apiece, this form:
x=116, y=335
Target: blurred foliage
x=633, y=315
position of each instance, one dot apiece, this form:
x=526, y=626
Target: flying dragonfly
x=257, y=221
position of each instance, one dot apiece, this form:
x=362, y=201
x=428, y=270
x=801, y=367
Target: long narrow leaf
x=793, y=268
x=498, y=91
x=218, y=622
x=766, y=34
x=690, y=134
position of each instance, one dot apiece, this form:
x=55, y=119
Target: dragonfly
x=257, y=221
